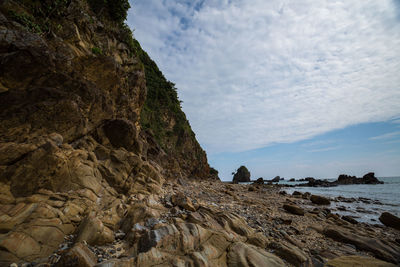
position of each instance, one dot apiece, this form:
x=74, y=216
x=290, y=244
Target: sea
x=370, y=200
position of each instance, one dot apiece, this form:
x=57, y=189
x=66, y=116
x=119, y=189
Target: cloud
x=254, y=73
x=385, y=136
x=324, y=149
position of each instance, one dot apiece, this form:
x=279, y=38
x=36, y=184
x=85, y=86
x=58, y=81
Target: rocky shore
x=200, y=223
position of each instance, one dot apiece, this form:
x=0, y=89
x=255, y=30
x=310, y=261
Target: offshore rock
x=242, y=175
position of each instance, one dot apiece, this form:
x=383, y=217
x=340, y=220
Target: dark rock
x=282, y=193
x=121, y=133
x=390, y=220
x=293, y=209
x=292, y=180
x=349, y=219
x=259, y=181
x=297, y=193
x=343, y=179
x=276, y=179
x=320, y=200
x=242, y=175
x=370, y=178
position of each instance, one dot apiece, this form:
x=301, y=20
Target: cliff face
x=163, y=119
x=75, y=76
x=75, y=118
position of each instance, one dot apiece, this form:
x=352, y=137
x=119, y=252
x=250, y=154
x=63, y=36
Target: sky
x=289, y=88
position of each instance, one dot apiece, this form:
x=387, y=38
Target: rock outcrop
x=343, y=179
x=242, y=175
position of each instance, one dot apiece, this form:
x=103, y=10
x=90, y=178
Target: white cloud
x=385, y=136
x=252, y=73
x=324, y=149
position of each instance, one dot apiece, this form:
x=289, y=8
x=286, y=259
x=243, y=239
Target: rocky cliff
x=86, y=117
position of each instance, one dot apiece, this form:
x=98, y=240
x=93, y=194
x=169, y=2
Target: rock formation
x=242, y=175
x=343, y=179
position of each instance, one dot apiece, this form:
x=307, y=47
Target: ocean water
x=384, y=197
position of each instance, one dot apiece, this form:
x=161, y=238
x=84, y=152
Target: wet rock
x=390, y=220
x=350, y=219
x=293, y=209
x=320, y=200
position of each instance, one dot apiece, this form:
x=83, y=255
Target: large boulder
x=390, y=220
x=320, y=200
x=242, y=175
x=291, y=208
x=93, y=231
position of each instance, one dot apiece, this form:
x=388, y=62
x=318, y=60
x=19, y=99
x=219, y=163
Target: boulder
x=182, y=201
x=242, y=175
x=292, y=180
x=79, y=256
x=93, y=231
x=290, y=253
x=293, y=209
x=390, y=220
x=349, y=219
x=259, y=181
x=320, y=200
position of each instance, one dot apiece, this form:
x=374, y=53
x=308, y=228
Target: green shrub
x=117, y=9
x=25, y=20
x=97, y=51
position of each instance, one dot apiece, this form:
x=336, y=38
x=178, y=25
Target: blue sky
x=289, y=88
